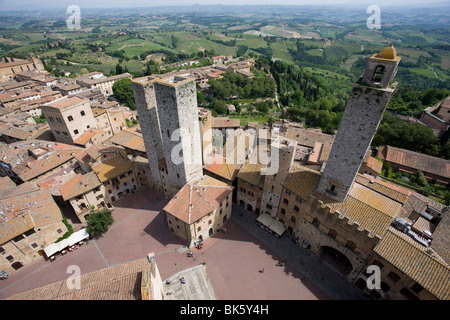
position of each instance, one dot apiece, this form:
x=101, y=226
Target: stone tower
x=284, y=150
x=365, y=107
x=176, y=98
x=144, y=97
x=168, y=115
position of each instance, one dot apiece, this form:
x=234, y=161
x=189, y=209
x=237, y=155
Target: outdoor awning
x=77, y=237
x=51, y=250
x=273, y=224
x=277, y=227
x=62, y=244
x=265, y=219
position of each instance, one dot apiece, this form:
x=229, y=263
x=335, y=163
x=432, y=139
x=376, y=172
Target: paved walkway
x=301, y=259
x=234, y=259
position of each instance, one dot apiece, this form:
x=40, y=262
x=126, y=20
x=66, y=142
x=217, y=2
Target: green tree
x=98, y=221
x=124, y=93
x=219, y=106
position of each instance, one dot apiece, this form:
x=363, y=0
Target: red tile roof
x=195, y=200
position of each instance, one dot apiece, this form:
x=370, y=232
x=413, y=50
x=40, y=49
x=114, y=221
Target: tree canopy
x=124, y=93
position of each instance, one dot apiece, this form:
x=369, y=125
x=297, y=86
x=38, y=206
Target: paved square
x=233, y=259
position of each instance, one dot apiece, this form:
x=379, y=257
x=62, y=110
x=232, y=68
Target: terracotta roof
x=389, y=190
x=79, y=184
x=302, y=181
x=25, y=203
x=119, y=282
x=371, y=210
x=224, y=122
x=111, y=167
x=49, y=161
x=223, y=169
x=15, y=132
x=418, y=161
x=418, y=262
x=64, y=102
x=441, y=237
x=53, y=182
x=251, y=173
x=375, y=164
x=14, y=227
x=6, y=183
x=195, y=200
x=129, y=139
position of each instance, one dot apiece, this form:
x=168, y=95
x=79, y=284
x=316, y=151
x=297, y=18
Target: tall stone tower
x=168, y=115
x=144, y=97
x=365, y=107
x=284, y=150
x=176, y=98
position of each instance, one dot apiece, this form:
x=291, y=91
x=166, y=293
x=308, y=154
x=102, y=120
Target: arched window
x=378, y=74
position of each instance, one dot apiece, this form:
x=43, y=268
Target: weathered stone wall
x=361, y=118
x=145, y=100
x=180, y=132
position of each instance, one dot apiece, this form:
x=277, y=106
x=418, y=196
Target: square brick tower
x=365, y=107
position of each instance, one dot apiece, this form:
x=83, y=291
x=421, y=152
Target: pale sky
x=56, y=4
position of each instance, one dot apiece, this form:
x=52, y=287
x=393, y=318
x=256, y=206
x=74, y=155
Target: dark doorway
x=336, y=260
x=210, y=232
x=17, y=265
x=249, y=208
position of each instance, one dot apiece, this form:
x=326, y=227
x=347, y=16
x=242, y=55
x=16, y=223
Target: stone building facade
x=69, y=118
x=199, y=209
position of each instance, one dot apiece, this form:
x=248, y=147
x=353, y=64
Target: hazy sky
x=56, y=4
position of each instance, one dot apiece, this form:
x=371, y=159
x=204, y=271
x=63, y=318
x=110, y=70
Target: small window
x=82, y=113
x=293, y=219
x=286, y=201
x=316, y=222
x=416, y=288
x=393, y=276
x=332, y=233
x=283, y=211
x=75, y=131
x=34, y=245
x=350, y=245
x=70, y=118
x=296, y=209
x=333, y=187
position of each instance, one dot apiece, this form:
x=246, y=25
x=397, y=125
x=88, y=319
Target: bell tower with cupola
x=368, y=99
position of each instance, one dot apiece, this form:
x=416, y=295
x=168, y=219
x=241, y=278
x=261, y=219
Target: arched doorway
x=336, y=260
